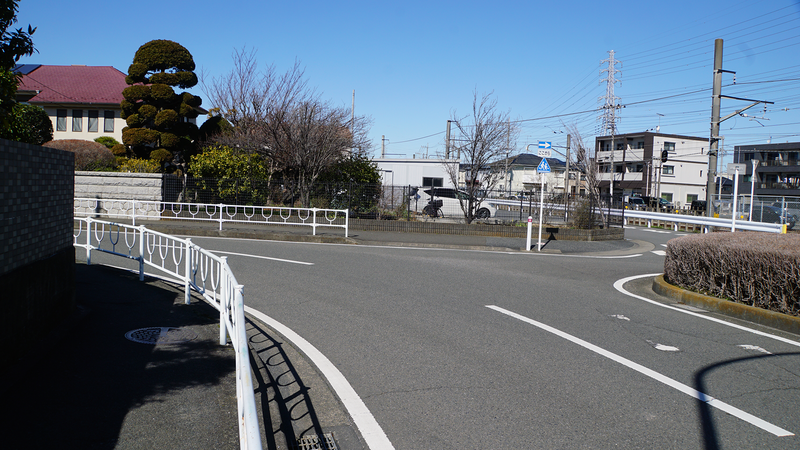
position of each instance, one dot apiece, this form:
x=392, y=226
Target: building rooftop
x=100, y=85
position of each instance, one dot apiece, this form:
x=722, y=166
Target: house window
x=691, y=198
x=667, y=196
x=108, y=121
x=61, y=120
x=668, y=170
x=435, y=182
x=77, y=119
x=92, y=125
x=669, y=146
x=640, y=145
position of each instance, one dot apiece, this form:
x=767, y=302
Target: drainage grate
x=313, y=442
x=161, y=335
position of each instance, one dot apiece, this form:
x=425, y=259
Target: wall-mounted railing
x=197, y=269
x=221, y=213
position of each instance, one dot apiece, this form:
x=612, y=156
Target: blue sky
x=413, y=64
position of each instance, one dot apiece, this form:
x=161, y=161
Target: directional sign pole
x=541, y=211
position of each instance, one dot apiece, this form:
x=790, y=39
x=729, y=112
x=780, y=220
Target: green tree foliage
x=29, y=124
x=231, y=173
x=154, y=112
x=89, y=155
x=352, y=183
x=108, y=141
x=14, y=44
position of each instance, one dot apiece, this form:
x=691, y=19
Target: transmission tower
x=609, y=108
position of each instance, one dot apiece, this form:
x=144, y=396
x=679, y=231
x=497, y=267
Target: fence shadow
x=287, y=411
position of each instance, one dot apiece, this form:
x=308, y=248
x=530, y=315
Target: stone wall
x=117, y=186
x=36, y=254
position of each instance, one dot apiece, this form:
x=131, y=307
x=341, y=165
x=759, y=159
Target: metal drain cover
x=313, y=442
x=161, y=335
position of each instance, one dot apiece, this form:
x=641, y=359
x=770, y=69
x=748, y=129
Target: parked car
x=789, y=210
x=449, y=200
x=635, y=203
x=658, y=203
x=773, y=214
x=698, y=205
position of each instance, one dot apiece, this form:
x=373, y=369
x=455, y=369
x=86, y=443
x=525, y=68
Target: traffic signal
x=664, y=156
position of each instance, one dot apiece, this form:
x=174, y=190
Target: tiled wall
x=36, y=192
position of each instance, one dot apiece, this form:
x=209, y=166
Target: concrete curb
x=749, y=313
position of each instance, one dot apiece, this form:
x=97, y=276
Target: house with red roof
x=82, y=101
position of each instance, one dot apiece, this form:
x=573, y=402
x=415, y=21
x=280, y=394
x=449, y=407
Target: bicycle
x=433, y=209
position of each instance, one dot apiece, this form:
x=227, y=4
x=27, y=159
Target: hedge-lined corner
x=749, y=313
x=756, y=269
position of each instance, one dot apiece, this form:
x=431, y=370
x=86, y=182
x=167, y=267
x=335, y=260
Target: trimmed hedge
x=756, y=269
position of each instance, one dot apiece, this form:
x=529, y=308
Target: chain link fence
x=386, y=202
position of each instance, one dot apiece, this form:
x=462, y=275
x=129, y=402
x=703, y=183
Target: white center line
x=736, y=412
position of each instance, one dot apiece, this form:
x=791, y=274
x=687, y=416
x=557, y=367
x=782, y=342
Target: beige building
x=83, y=102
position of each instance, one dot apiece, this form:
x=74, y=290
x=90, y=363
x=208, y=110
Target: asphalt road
x=490, y=350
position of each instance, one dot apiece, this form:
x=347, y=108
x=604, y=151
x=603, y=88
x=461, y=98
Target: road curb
x=749, y=313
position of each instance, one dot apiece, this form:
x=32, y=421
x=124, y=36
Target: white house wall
x=410, y=172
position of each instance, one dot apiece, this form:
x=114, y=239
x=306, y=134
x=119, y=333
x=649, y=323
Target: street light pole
x=752, y=187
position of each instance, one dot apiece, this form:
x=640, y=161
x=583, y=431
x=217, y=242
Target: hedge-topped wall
x=756, y=269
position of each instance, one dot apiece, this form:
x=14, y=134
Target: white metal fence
x=198, y=269
x=221, y=213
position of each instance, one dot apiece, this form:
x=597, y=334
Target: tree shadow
x=709, y=433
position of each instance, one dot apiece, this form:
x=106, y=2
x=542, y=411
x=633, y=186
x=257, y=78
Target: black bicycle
x=433, y=209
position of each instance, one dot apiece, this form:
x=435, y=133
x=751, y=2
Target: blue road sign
x=543, y=167
x=544, y=144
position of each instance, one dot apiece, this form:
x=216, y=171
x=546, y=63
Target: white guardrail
x=674, y=219
x=198, y=269
x=705, y=222
x=221, y=213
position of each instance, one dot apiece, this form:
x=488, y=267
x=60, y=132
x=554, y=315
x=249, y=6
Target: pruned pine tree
x=155, y=113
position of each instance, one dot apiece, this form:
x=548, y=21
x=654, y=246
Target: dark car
x=698, y=205
x=635, y=203
x=772, y=214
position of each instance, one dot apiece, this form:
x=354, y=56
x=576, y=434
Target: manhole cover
x=314, y=442
x=161, y=335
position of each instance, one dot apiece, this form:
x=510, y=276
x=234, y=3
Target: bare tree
x=482, y=138
x=586, y=163
x=280, y=117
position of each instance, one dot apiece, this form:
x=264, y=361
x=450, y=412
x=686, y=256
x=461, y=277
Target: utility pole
x=714, y=147
x=447, y=142
x=383, y=146
x=566, y=184
x=716, y=98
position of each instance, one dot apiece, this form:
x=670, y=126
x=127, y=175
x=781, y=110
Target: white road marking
x=659, y=252
x=620, y=317
x=754, y=348
x=736, y=412
x=618, y=286
x=662, y=347
x=264, y=257
x=372, y=433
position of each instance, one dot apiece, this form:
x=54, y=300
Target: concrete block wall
x=118, y=186
x=37, y=259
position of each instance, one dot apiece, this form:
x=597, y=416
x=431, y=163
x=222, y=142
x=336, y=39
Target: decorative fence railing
x=221, y=213
x=198, y=269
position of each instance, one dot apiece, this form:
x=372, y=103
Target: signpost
x=544, y=149
x=543, y=168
